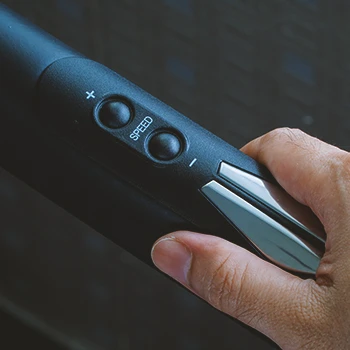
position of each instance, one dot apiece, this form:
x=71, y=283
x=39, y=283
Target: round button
x=164, y=146
x=115, y=114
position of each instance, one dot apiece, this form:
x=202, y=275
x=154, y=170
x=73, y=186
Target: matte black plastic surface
x=175, y=183
x=26, y=52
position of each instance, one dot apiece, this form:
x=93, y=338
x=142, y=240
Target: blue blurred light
x=181, y=70
x=184, y=6
x=310, y=3
x=71, y=8
x=298, y=67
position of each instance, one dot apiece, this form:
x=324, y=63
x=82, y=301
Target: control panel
x=148, y=134
x=176, y=162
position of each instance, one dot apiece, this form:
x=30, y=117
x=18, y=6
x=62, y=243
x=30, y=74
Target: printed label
x=142, y=127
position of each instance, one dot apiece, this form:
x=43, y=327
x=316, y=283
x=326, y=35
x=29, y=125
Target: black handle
x=26, y=51
x=70, y=95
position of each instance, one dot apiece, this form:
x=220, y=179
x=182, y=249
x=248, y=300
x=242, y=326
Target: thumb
x=240, y=284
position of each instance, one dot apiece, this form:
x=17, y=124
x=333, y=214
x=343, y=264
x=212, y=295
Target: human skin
x=295, y=313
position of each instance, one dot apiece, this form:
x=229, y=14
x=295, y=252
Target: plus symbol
x=90, y=95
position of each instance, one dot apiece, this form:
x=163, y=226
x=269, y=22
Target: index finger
x=310, y=170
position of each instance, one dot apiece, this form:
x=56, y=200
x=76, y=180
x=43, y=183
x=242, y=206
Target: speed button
x=114, y=114
x=165, y=146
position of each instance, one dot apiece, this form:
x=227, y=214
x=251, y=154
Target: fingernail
x=173, y=258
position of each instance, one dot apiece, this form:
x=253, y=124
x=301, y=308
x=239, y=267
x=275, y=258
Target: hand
x=295, y=313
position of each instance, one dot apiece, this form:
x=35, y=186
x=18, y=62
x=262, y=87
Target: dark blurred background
x=239, y=68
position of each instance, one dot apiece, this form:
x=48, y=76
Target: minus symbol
x=192, y=163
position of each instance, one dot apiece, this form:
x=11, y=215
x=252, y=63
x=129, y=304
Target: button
x=164, y=146
x=114, y=114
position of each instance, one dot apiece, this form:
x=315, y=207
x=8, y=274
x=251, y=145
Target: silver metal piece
x=275, y=198
x=272, y=239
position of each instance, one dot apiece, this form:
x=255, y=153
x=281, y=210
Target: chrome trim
x=272, y=239
x=275, y=198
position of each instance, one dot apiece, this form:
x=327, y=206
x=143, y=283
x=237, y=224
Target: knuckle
x=226, y=291
x=276, y=139
x=242, y=304
x=338, y=170
x=220, y=284
x=286, y=134
x=340, y=165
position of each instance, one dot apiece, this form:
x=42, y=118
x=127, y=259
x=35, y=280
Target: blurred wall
x=239, y=68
